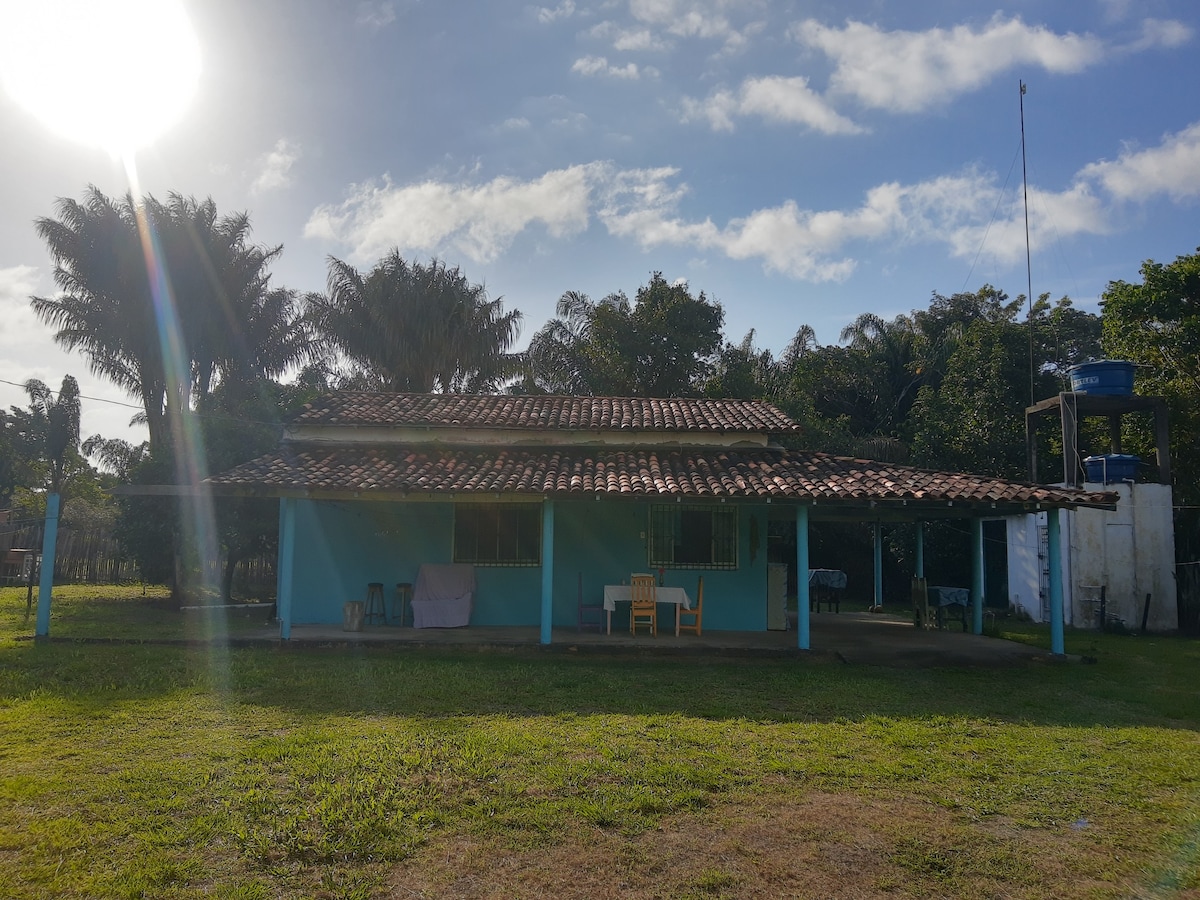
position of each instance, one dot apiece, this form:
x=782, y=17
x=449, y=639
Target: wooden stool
x=404, y=592
x=375, y=611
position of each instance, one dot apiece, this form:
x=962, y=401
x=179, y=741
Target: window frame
x=666, y=529
x=507, y=523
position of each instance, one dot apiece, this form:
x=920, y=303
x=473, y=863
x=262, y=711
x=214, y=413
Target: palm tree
x=887, y=349
x=106, y=308
x=57, y=420
x=412, y=327
x=557, y=355
x=58, y=424
x=166, y=299
x=662, y=344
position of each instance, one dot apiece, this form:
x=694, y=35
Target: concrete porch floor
x=850, y=637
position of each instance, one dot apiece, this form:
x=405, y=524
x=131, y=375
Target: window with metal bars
x=498, y=534
x=693, y=537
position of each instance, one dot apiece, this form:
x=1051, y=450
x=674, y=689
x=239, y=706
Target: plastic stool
x=375, y=610
x=404, y=592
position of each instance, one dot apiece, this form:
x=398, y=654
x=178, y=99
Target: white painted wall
x=1023, y=563
x=1130, y=550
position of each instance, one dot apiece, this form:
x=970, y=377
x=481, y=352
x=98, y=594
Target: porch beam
x=46, y=582
x=920, y=561
x=547, y=569
x=977, y=576
x=877, y=532
x=802, y=590
x=1054, y=561
x=287, y=557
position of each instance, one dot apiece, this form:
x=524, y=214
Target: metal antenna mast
x=1028, y=268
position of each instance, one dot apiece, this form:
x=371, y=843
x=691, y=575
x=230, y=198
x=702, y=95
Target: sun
x=112, y=73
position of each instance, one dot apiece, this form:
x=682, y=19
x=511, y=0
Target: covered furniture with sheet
x=827, y=585
x=443, y=596
x=950, y=601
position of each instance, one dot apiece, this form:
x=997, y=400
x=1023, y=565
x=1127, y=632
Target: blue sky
x=799, y=162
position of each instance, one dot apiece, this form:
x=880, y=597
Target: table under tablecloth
x=830, y=578
x=623, y=593
x=949, y=596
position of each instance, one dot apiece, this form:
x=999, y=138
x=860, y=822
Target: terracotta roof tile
x=740, y=473
x=543, y=412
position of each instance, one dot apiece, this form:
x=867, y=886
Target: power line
x=214, y=417
x=21, y=384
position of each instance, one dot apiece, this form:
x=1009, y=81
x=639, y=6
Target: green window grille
x=498, y=534
x=693, y=537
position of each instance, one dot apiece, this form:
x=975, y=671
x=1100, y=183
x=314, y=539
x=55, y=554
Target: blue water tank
x=1111, y=468
x=1102, y=376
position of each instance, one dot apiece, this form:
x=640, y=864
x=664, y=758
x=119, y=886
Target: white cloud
x=1161, y=33
x=376, y=15
x=515, y=123
x=478, y=220
x=17, y=284
x=776, y=99
x=548, y=15
x=1172, y=168
x=629, y=40
x=685, y=18
x=482, y=220
x=571, y=120
x=660, y=22
x=275, y=167
x=909, y=71
x=644, y=205
x=641, y=40
x=599, y=65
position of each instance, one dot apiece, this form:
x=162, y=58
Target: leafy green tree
x=413, y=327
x=970, y=413
x=662, y=344
x=1156, y=325
x=743, y=371
x=8, y=460
x=975, y=420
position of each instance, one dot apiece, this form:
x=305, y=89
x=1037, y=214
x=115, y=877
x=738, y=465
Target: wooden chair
x=696, y=611
x=404, y=593
x=923, y=615
x=587, y=610
x=645, y=603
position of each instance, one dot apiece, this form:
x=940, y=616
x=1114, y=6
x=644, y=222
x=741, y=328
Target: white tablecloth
x=949, y=596
x=830, y=578
x=623, y=593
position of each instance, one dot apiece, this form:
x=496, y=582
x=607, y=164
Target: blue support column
x=547, y=569
x=802, y=598
x=920, y=563
x=287, y=558
x=977, y=576
x=1054, y=560
x=46, y=583
x=878, y=536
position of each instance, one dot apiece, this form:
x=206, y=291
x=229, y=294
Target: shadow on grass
x=1136, y=681
x=1129, y=690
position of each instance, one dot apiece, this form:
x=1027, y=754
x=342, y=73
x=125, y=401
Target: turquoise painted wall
x=343, y=545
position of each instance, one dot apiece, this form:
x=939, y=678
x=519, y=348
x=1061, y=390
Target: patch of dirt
x=823, y=846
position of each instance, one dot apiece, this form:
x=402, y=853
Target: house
x=537, y=492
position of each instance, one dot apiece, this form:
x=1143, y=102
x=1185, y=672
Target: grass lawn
x=176, y=770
